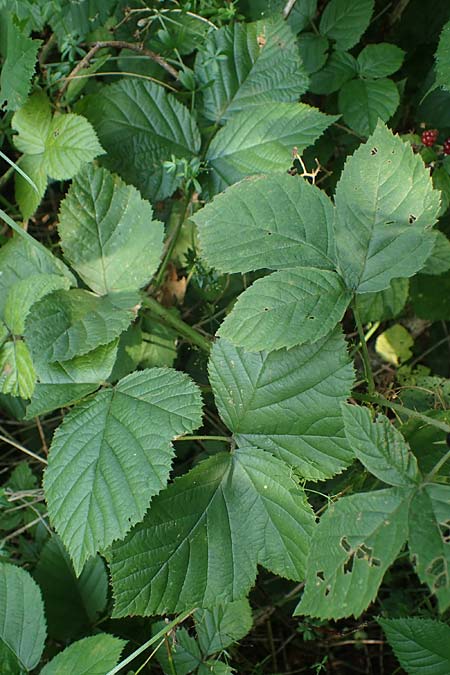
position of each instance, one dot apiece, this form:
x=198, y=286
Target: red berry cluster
x=447, y=147
x=429, y=137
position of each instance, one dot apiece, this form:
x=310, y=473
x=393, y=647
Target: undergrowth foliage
x=188, y=312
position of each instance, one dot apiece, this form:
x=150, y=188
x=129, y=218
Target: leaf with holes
x=108, y=233
x=112, y=454
x=204, y=536
x=380, y=446
x=357, y=539
x=385, y=208
x=429, y=539
x=287, y=402
x=259, y=62
x=287, y=308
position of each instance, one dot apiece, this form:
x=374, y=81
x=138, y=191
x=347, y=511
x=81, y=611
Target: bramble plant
x=224, y=282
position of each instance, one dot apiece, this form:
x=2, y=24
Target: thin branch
x=117, y=44
x=288, y=8
x=380, y=400
x=22, y=449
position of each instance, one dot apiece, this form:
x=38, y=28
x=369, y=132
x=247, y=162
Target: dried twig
x=288, y=8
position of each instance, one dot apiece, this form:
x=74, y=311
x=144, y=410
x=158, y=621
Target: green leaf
x=429, y=542
x=259, y=62
x=86, y=595
x=439, y=260
x=313, y=50
x=22, y=620
x=26, y=196
x=344, y=21
x=243, y=229
x=17, y=374
x=287, y=402
x=380, y=60
x=380, y=447
x=112, y=454
x=385, y=207
x=219, y=627
x=71, y=323
x=430, y=296
x=201, y=541
x=20, y=53
x=383, y=305
x=443, y=59
x=339, y=68
x=213, y=667
x=260, y=140
x=421, y=645
x=23, y=294
x=185, y=651
x=20, y=260
x=394, y=345
x=108, y=233
x=63, y=143
x=96, y=655
x=141, y=126
x=287, y=308
x=364, y=102
x=356, y=541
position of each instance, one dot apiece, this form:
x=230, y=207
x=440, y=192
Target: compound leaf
x=356, y=541
x=260, y=140
x=380, y=446
x=201, y=541
x=140, y=126
x=421, y=645
x=339, y=68
x=344, y=21
x=259, y=62
x=22, y=620
x=71, y=323
x=86, y=595
x=385, y=207
x=429, y=541
x=108, y=233
x=287, y=402
x=287, y=308
x=94, y=655
x=380, y=60
x=364, y=102
x=112, y=454
x=244, y=229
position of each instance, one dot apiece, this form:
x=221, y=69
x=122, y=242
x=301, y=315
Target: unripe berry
x=429, y=137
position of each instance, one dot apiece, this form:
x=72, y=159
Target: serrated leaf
x=344, y=21
x=357, y=539
x=219, y=627
x=421, y=645
x=20, y=260
x=213, y=667
x=287, y=308
x=201, y=541
x=86, y=595
x=185, y=651
x=24, y=293
x=439, y=260
x=26, y=196
x=96, y=654
x=260, y=140
x=71, y=142
x=22, y=621
x=71, y=323
x=151, y=125
x=17, y=374
x=32, y=123
x=383, y=305
x=394, y=345
x=385, y=207
x=287, y=402
x=340, y=67
x=112, y=454
x=443, y=59
x=429, y=542
x=243, y=229
x=364, y=102
x=379, y=60
x=259, y=62
x=380, y=447
x=20, y=53
x=108, y=233
x=313, y=50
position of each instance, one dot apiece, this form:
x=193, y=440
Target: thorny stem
x=380, y=400
x=178, y=324
x=364, y=350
